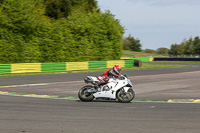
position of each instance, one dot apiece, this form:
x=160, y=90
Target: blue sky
x=156, y=23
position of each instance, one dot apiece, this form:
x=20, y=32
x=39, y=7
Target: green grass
x=127, y=53
x=144, y=66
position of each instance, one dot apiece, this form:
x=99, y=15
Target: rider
x=104, y=78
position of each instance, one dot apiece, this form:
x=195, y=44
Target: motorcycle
x=120, y=89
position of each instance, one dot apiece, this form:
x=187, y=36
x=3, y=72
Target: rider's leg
x=104, y=80
x=99, y=82
x=96, y=85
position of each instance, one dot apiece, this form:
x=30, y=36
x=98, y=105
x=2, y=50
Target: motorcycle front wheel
x=125, y=97
x=84, y=95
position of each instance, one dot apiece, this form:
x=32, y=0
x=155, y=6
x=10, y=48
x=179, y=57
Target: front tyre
x=125, y=97
x=84, y=95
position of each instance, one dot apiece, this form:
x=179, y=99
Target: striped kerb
x=152, y=59
x=97, y=64
x=123, y=58
x=68, y=66
x=110, y=64
x=129, y=63
x=25, y=67
x=50, y=67
x=77, y=66
x=5, y=68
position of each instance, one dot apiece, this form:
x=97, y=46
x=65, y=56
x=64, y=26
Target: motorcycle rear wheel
x=125, y=97
x=84, y=95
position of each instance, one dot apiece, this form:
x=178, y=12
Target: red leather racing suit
x=104, y=78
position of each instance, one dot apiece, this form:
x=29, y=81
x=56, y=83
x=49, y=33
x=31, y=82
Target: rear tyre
x=84, y=95
x=125, y=97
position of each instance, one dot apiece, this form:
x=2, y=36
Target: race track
x=31, y=115
x=46, y=115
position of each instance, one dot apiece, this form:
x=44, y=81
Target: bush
x=28, y=32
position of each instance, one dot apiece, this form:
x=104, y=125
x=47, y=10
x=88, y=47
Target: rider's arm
x=112, y=73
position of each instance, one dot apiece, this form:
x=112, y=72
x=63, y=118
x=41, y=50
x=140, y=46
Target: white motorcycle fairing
x=114, y=85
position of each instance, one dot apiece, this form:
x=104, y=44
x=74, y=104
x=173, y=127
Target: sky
x=156, y=23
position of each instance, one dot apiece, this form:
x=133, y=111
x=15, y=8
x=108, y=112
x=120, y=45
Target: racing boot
x=97, y=88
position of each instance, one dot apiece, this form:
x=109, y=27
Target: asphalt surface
x=42, y=115
x=21, y=114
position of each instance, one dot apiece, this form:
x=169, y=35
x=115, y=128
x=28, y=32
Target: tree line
x=57, y=31
x=132, y=44
x=187, y=47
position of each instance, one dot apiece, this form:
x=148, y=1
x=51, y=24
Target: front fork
x=125, y=89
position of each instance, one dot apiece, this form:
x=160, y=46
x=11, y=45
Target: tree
x=177, y=49
x=1, y=2
x=149, y=51
x=92, y=4
x=58, y=8
x=126, y=44
x=163, y=51
x=19, y=22
x=180, y=49
x=173, y=49
x=134, y=44
x=57, y=31
x=197, y=45
x=189, y=47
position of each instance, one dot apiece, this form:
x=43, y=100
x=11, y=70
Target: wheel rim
x=125, y=96
x=84, y=93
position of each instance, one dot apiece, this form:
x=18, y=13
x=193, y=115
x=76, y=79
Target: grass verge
x=127, y=53
x=144, y=66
